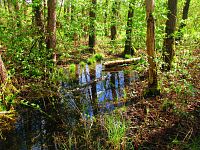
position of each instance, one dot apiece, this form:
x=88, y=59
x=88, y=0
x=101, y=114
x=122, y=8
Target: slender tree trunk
x=168, y=47
x=105, y=18
x=51, y=26
x=38, y=16
x=45, y=11
x=184, y=17
x=16, y=6
x=128, y=43
x=92, y=34
x=3, y=72
x=113, y=27
x=150, y=43
x=39, y=22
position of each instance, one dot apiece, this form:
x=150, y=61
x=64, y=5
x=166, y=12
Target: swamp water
x=93, y=91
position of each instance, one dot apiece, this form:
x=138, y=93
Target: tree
x=39, y=21
x=92, y=34
x=113, y=28
x=168, y=46
x=17, y=8
x=38, y=17
x=105, y=18
x=51, y=27
x=3, y=72
x=128, y=43
x=150, y=43
x=184, y=17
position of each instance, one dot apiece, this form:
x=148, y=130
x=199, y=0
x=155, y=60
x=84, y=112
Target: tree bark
x=168, y=46
x=150, y=43
x=92, y=34
x=184, y=17
x=113, y=28
x=51, y=26
x=38, y=15
x=128, y=43
x=105, y=18
x=3, y=72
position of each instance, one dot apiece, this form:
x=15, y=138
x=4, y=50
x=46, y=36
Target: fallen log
x=114, y=63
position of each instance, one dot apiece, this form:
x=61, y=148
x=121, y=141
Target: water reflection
x=30, y=133
x=98, y=90
x=93, y=91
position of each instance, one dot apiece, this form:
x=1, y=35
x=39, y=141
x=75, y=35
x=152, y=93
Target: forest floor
x=170, y=120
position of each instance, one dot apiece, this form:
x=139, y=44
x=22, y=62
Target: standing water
x=92, y=91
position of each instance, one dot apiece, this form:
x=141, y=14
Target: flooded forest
x=99, y=75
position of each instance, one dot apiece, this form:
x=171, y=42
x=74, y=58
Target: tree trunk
x=17, y=8
x=51, y=26
x=105, y=18
x=3, y=72
x=38, y=16
x=150, y=43
x=39, y=22
x=92, y=34
x=168, y=47
x=184, y=17
x=113, y=27
x=128, y=43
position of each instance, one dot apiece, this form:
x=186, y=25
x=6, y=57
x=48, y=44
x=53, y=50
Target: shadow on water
x=93, y=91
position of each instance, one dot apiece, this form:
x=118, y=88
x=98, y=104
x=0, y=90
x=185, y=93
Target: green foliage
x=193, y=144
x=72, y=68
x=116, y=127
x=127, y=56
x=28, y=60
x=98, y=56
x=59, y=74
x=82, y=64
x=91, y=61
x=26, y=53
